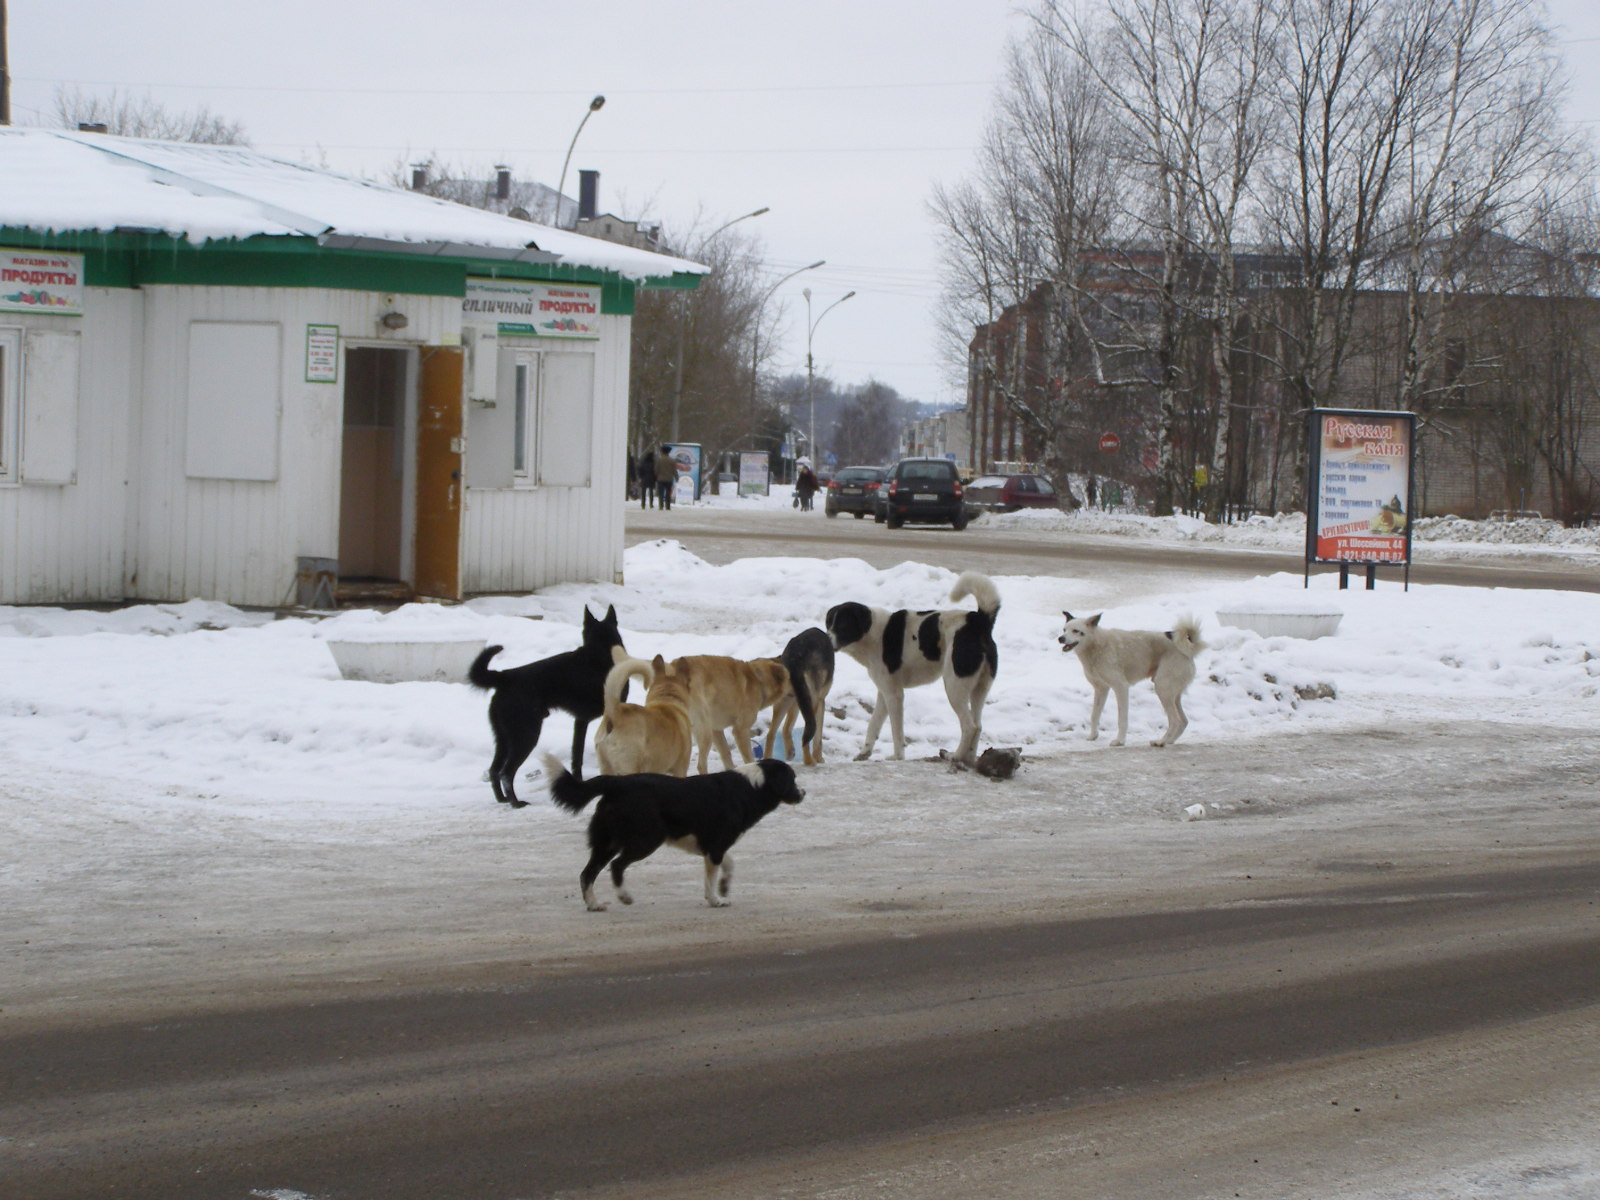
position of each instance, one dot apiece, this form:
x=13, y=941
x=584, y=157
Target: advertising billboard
x=1358, y=497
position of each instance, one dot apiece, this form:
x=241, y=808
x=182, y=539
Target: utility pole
x=5, y=71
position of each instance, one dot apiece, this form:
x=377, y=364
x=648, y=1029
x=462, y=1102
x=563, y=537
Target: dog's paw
x=515, y=803
x=718, y=902
x=1116, y=742
x=598, y=906
x=625, y=897
x=864, y=755
x=1159, y=742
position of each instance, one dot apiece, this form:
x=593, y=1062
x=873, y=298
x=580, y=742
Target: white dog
x=1115, y=659
x=904, y=649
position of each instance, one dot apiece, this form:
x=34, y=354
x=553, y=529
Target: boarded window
x=566, y=420
x=10, y=400
x=539, y=429
x=234, y=400
x=49, y=424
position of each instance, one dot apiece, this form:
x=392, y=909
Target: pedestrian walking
x=647, y=478
x=805, y=486
x=666, y=475
x=1089, y=491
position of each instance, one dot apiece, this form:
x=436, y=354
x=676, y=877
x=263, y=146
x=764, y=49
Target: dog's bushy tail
x=479, y=675
x=566, y=789
x=981, y=588
x=1186, y=637
x=617, y=681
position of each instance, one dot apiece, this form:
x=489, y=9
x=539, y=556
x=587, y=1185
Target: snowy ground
x=193, y=800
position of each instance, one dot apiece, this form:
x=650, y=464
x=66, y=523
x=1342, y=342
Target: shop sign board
x=1359, y=491
x=41, y=281
x=521, y=308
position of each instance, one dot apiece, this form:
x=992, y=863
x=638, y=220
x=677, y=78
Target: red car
x=1007, y=493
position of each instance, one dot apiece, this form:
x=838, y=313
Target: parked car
x=853, y=490
x=1007, y=493
x=924, y=491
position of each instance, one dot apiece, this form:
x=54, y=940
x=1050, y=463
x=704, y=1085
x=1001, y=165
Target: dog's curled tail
x=1186, y=637
x=479, y=675
x=981, y=588
x=566, y=789
x=617, y=681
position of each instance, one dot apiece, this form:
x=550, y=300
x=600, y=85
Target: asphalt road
x=627, y=1076
x=714, y=537
x=1305, y=1004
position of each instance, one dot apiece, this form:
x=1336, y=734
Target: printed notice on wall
x=322, y=354
x=41, y=281
x=517, y=308
x=1359, y=493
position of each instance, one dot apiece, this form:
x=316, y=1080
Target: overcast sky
x=838, y=115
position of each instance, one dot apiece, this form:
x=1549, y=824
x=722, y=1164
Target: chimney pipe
x=419, y=176
x=93, y=127
x=588, y=194
x=502, y=183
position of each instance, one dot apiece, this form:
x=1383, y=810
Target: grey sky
x=839, y=115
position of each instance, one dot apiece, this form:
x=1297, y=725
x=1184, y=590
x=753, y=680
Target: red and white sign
x=518, y=308
x=1360, y=486
x=1110, y=443
x=41, y=281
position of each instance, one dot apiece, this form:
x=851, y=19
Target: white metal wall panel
x=521, y=539
x=65, y=543
x=239, y=540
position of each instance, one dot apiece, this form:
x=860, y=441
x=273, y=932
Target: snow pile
x=217, y=702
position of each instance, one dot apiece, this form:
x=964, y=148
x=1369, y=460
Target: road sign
x=1110, y=443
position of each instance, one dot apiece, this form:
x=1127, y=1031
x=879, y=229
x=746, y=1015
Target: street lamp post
x=811, y=396
x=755, y=334
x=683, y=321
x=595, y=106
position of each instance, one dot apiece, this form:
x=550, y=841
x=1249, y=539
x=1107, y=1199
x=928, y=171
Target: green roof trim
x=133, y=258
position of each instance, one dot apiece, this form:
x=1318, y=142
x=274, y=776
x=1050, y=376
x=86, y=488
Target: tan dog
x=728, y=691
x=651, y=737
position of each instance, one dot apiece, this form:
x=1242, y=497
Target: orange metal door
x=439, y=446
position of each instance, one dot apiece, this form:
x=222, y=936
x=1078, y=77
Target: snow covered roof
x=62, y=181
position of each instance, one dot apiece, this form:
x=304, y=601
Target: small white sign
x=41, y=281
x=322, y=354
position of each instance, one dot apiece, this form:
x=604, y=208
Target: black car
x=925, y=491
x=853, y=490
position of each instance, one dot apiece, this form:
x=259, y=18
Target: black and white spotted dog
x=908, y=649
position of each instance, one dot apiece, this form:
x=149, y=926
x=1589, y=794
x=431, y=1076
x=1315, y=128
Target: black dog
x=809, y=660
x=703, y=814
x=523, y=697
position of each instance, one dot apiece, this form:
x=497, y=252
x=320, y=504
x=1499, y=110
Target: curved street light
x=683, y=319
x=811, y=397
x=595, y=106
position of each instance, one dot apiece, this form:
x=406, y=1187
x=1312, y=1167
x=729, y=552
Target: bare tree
x=143, y=117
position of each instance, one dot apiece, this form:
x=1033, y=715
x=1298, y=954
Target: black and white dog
x=907, y=649
x=703, y=814
x=523, y=697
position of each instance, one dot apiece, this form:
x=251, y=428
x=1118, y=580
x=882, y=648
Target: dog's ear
x=588, y=618
x=659, y=663
x=1067, y=615
x=1094, y=621
x=611, y=616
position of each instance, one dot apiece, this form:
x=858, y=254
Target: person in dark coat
x=666, y=475
x=647, y=479
x=805, y=486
